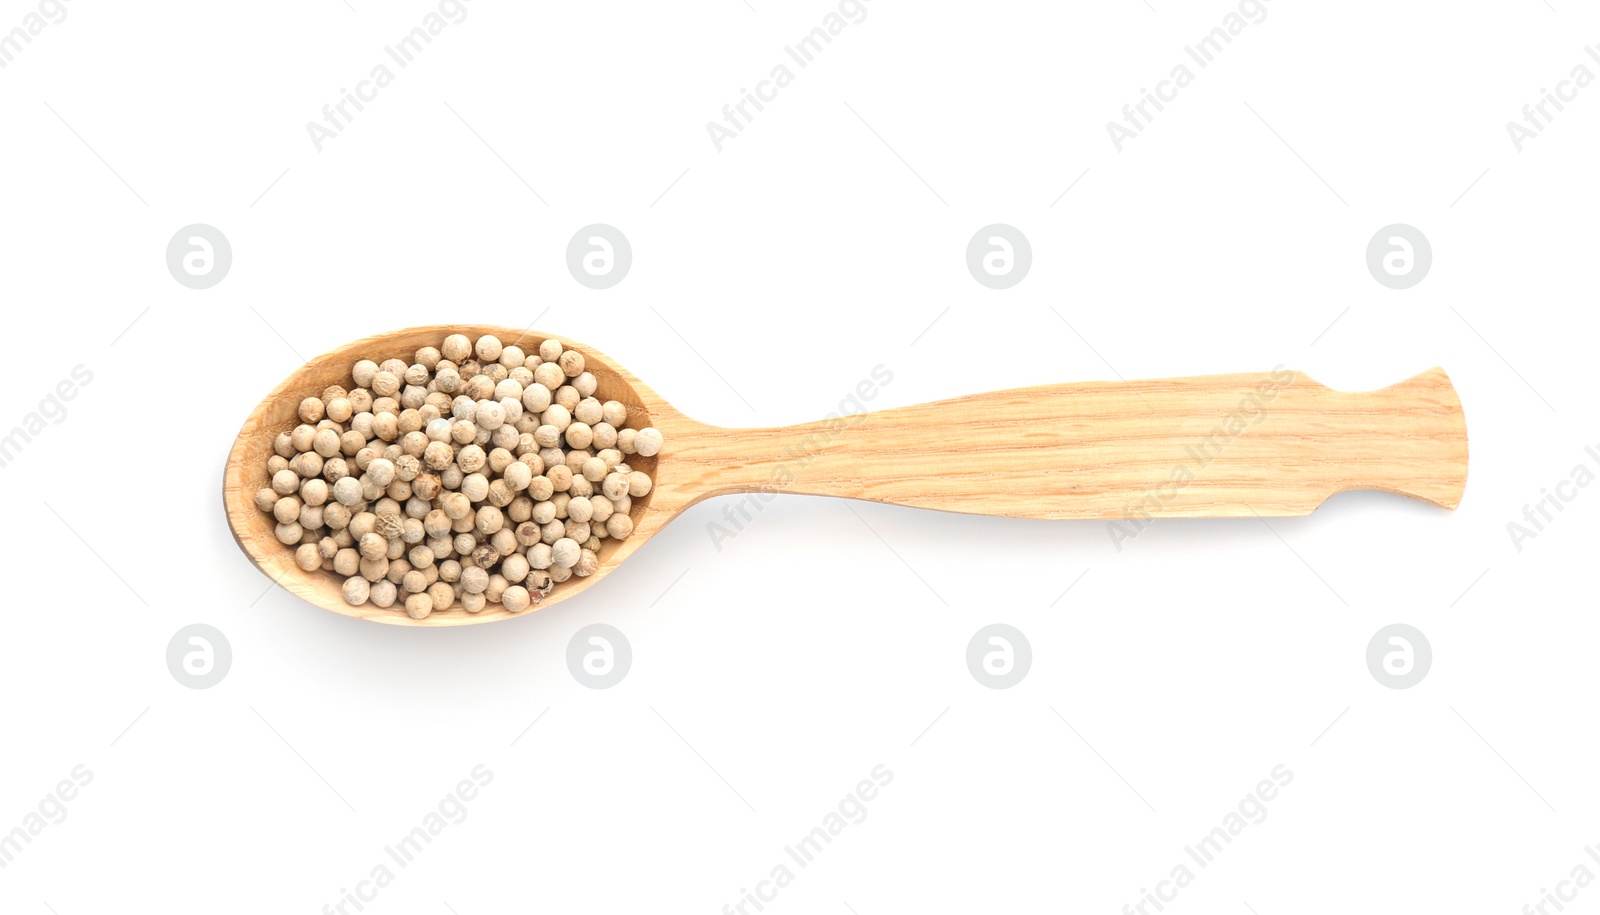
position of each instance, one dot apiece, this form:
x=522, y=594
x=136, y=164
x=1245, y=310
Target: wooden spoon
x=1267, y=444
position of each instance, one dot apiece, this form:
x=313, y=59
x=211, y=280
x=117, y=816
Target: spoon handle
x=1270, y=444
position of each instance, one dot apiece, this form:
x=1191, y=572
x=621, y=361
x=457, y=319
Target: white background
x=772, y=675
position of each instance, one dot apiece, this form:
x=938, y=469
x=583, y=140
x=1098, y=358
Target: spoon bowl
x=278, y=412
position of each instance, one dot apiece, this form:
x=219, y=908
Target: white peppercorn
x=474, y=580
x=497, y=587
x=411, y=531
x=504, y=541
x=565, y=552
x=374, y=569
x=638, y=484
x=339, y=409
x=418, y=606
x=455, y=505
x=515, y=599
x=347, y=491
x=347, y=562
x=587, y=563
x=382, y=594
x=285, y=482
x=540, y=556
x=615, y=486
x=266, y=498
x=426, y=486
x=475, y=486
x=549, y=376
x=488, y=348
x=438, y=456
x=579, y=435
x=580, y=509
x=560, y=477
x=648, y=442
x=489, y=520
x=536, y=397
x=287, y=509
x=385, y=384
x=540, y=488
x=577, y=531
x=588, y=411
x=373, y=546
x=619, y=525
x=514, y=568
x=571, y=363
x=356, y=591
x=507, y=436
x=414, y=582
x=456, y=348
x=363, y=371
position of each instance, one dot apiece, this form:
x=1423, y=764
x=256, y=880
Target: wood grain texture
x=1275, y=443
x=1271, y=444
